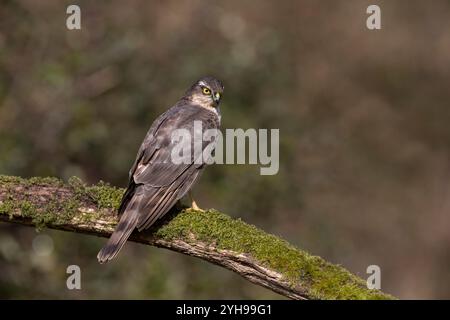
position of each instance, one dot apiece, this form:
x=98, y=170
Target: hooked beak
x=216, y=97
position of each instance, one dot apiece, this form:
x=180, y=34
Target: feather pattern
x=156, y=183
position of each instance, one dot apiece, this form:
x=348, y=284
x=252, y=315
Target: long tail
x=127, y=224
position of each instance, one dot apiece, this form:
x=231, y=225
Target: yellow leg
x=194, y=205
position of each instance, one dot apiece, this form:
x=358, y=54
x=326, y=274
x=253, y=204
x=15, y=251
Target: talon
x=194, y=205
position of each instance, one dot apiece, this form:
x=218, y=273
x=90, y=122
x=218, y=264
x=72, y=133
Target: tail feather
x=141, y=207
x=127, y=196
x=127, y=224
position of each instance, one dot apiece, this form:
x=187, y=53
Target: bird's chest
x=219, y=116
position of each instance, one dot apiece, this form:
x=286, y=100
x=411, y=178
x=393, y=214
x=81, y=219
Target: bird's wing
x=160, y=200
x=156, y=183
x=155, y=166
x=162, y=182
x=148, y=147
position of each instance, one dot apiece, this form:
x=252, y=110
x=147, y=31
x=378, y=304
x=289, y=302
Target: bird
x=156, y=183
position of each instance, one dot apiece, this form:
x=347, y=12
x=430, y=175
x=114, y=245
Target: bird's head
x=206, y=92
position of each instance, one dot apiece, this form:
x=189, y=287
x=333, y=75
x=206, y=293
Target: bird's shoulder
x=183, y=114
x=153, y=163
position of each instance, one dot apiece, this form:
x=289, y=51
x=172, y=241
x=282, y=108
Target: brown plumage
x=156, y=183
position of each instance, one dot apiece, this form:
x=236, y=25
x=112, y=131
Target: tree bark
x=261, y=258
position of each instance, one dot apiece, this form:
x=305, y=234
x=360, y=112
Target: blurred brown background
x=364, y=124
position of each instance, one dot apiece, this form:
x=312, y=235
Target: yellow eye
x=206, y=91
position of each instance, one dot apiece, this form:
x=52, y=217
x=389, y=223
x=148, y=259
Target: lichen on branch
x=260, y=257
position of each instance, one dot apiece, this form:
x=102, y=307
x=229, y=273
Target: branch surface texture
x=261, y=258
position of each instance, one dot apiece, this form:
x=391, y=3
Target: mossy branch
x=212, y=236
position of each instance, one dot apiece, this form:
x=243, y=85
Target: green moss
x=8, y=181
x=48, y=181
x=5, y=180
x=103, y=194
x=27, y=208
x=7, y=207
x=324, y=280
x=78, y=186
x=56, y=212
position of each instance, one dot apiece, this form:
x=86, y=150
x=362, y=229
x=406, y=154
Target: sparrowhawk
x=156, y=183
